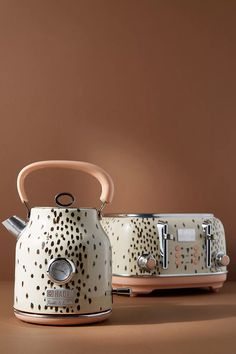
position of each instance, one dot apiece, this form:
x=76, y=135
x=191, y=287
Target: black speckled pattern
x=75, y=234
x=132, y=236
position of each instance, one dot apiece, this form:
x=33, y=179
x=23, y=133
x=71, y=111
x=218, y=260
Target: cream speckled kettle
x=63, y=256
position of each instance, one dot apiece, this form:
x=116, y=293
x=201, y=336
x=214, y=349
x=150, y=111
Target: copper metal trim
x=50, y=315
x=167, y=275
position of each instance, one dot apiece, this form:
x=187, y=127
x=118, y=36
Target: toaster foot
x=215, y=289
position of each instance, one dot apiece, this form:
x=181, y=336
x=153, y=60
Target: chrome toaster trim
x=143, y=215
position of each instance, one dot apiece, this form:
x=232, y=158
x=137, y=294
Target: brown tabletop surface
x=183, y=321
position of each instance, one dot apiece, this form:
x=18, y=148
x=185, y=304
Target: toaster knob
x=147, y=262
x=222, y=259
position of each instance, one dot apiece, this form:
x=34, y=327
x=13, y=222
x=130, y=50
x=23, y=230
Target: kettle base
x=145, y=285
x=62, y=320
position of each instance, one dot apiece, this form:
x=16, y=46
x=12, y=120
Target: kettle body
x=63, y=267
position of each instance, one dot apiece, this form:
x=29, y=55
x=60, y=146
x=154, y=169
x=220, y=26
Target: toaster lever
x=162, y=227
x=207, y=228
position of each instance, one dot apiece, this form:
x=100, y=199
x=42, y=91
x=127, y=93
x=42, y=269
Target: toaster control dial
x=60, y=270
x=147, y=262
x=222, y=259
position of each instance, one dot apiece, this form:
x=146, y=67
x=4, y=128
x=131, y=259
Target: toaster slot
x=207, y=228
x=162, y=227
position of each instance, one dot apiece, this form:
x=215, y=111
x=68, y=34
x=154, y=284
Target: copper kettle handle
x=96, y=171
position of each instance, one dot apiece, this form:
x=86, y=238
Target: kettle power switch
x=60, y=270
x=147, y=262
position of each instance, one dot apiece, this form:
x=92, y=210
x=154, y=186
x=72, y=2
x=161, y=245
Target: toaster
x=161, y=251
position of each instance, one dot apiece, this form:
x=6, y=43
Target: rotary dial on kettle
x=60, y=270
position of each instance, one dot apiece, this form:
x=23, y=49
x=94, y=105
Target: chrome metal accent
x=15, y=225
x=162, y=227
x=60, y=297
x=59, y=195
x=222, y=259
x=86, y=315
x=207, y=228
x=147, y=262
x=102, y=206
x=122, y=291
x=143, y=215
x=101, y=209
x=71, y=270
x=168, y=275
x=71, y=209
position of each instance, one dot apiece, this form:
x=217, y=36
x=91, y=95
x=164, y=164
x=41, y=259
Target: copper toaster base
x=62, y=320
x=145, y=285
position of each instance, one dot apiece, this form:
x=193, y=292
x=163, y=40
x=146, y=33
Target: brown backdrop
x=146, y=89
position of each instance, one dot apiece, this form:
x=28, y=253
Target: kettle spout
x=14, y=225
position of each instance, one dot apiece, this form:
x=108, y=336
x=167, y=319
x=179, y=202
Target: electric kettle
x=63, y=256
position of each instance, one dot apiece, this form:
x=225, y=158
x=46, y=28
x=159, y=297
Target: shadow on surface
x=178, y=292
x=166, y=306
x=166, y=313
x=162, y=306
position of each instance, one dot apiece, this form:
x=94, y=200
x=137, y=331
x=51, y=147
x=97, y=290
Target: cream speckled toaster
x=159, y=251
